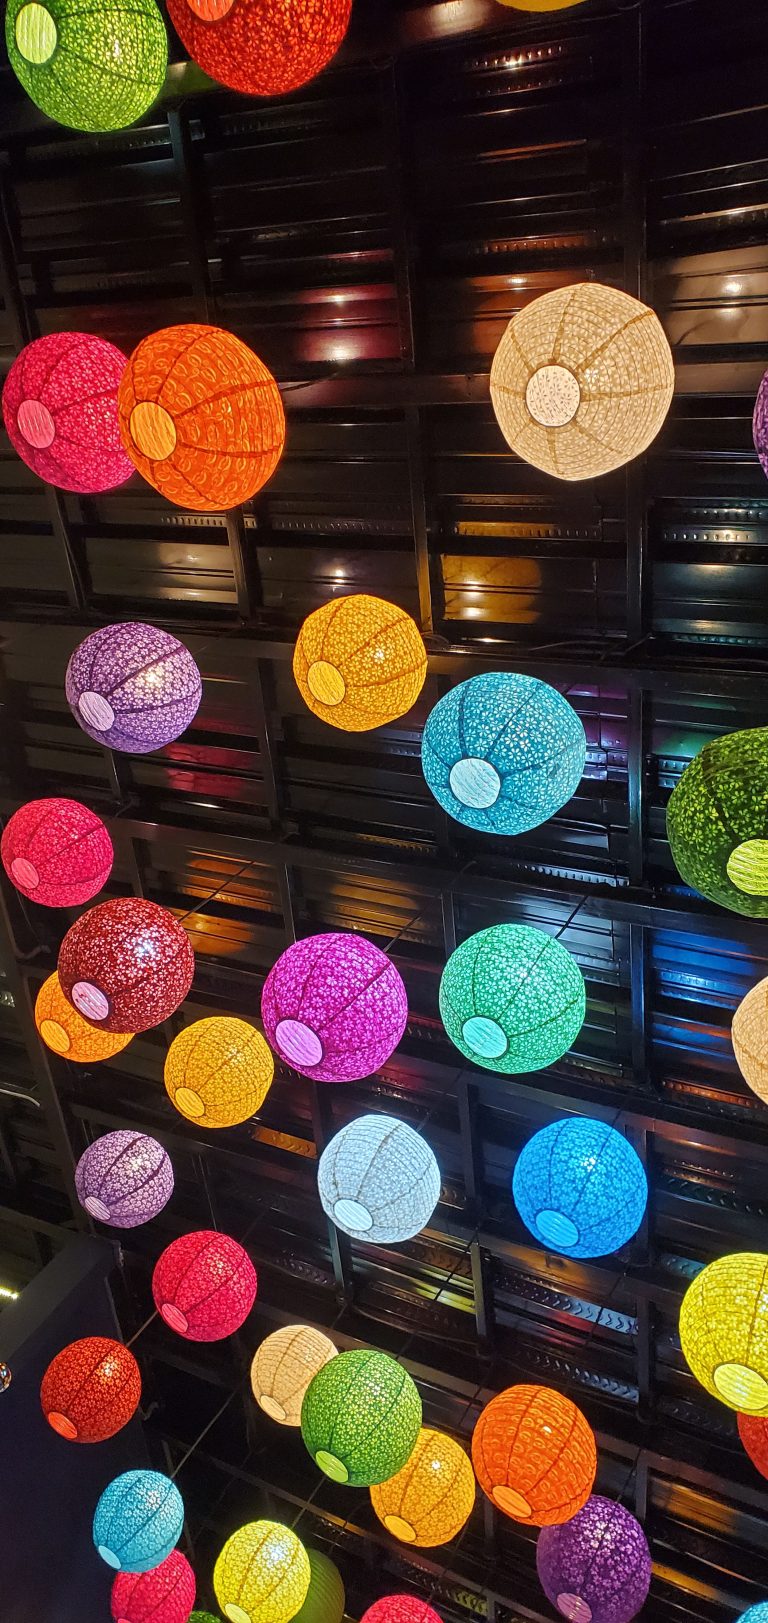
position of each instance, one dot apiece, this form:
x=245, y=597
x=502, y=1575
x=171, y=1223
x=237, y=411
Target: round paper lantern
x=201, y=416
x=359, y=663
x=596, y=1568
x=512, y=999
x=65, y=1031
x=717, y=825
x=361, y=1417
x=503, y=753
x=326, y=1599
x=126, y=965
x=534, y=1455
x=430, y=1499
x=334, y=1007
x=57, y=852
x=378, y=1180
x=261, y=47
x=749, y=1035
x=133, y=687
x=124, y=1179
x=165, y=1595
x=580, y=1188
x=582, y=380
x=90, y=68
x=204, y=1285
x=755, y=1614
x=400, y=1609
x=138, y=1521
x=760, y=424
x=541, y=5
x=262, y=1574
x=753, y=1431
x=6, y=1376
x=218, y=1071
x=91, y=1389
x=203, y=1617
x=60, y=409
x=724, y=1330
x=283, y=1367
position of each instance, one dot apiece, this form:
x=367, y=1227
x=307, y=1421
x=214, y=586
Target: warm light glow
x=67, y=1034
x=261, y=47
x=429, y=1500
x=283, y=1367
x=164, y=1595
x=60, y=410
x=204, y=1285
x=91, y=1389
x=724, y=1330
x=749, y=1035
x=262, y=1574
x=218, y=1071
x=126, y=965
x=359, y=663
x=534, y=1455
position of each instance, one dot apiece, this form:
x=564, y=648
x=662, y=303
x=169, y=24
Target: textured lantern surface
x=755, y=1614
x=724, y=1330
x=283, y=1367
x=91, y=1389
x=88, y=67
x=204, y=1285
x=582, y=380
x=760, y=424
x=133, y=687
x=65, y=1031
x=326, y=1598
x=400, y=1609
x=218, y=1071
x=261, y=47
x=203, y=1617
x=124, y=1179
x=126, y=965
x=138, y=1521
x=753, y=1431
x=431, y=1497
x=502, y=753
x=359, y=663
x=717, y=822
x=262, y=1574
x=164, y=1595
x=595, y=1568
x=201, y=416
x=580, y=1187
x=361, y=1417
x=334, y=1007
x=534, y=1455
x=57, y=852
x=749, y=1035
x=512, y=999
x=60, y=410
x=378, y=1180
x=541, y=5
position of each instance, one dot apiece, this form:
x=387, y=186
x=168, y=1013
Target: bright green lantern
x=717, y=822
x=512, y=999
x=361, y=1417
x=91, y=67
x=326, y=1599
x=203, y=1617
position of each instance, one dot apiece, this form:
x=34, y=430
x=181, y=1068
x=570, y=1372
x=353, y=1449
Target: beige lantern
x=283, y=1367
x=749, y=1035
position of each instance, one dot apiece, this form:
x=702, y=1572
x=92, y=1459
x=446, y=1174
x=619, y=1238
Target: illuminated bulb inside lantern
x=34, y=420
x=553, y=396
x=747, y=867
x=153, y=430
x=36, y=40
x=299, y=1043
x=475, y=782
x=326, y=683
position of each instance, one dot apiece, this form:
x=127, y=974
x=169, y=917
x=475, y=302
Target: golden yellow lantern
x=749, y=1035
x=724, y=1330
x=218, y=1071
x=262, y=1574
x=541, y=5
x=429, y=1500
x=283, y=1367
x=359, y=663
x=65, y=1031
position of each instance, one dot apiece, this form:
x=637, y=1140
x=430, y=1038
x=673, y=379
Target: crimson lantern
x=60, y=410
x=753, y=1431
x=91, y=1389
x=57, y=852
x=126, y=965
x=400, y=1609
x=261, y=47
x=204, y=1285
x=165, y=1594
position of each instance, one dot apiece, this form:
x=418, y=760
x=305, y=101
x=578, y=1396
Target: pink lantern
x=165, y=1594
x=204, y=1285
x=57, y=852
x=334, y=1007
x=60, y=410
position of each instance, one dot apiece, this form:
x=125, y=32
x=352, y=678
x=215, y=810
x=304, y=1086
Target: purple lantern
x=124, y=1179
x=596, y=1568
x=760, y=424
x=334, y=1007
x=133, y=687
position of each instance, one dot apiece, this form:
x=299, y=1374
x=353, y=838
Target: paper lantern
x=749, y=1035
x=91, y=1389
x=133, y=687
x=541, y=5
x=753, y=1431
x=126, y=965
x=430, y=1499
x=218, y=1071
x=201, y=416
x=580, y=1188
x=203, y=1617
x=361, y=1417
x=755, y=1614
x=359, y=663
x=503, y=753
x=165, y=1595
x=400, y=1609
x=65, y=1031
x=138, y=1521
x=334, y=1007
x=283, y=1367
x=717, y=824
x=6, y=1376
x=262, y=1574
x=88, y=67
x=60, y=408
x=512, y=999
x=124, y=1179
x=596, y=1568
x=261, y=47
x=582, y=380
x=760, y=424
x=378, y=1180
x=724, y=1330
x=57, y=852
x=326, y=1599
x=534, y=1455
x=204, y=1285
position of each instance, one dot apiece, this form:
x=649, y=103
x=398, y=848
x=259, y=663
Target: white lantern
x=378, y=1180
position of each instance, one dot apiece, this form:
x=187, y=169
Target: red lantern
x=261, y=47
x=91, y=1389
x=166, y=1594
x=204, y=1285
x=400, y=1609
x=57, y=852
x=753, y=1431
x=126, y=965
x=60, y=410
x=534, y=1455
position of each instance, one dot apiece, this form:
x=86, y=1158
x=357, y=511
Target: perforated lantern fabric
x=283, y=1367
x=165, y=1595
x=512, y=999
x=57, y=852
x=595, y=1568
x=724, y=1330
x=201, y=417
x=65, y=1031
x=262, y=1574
x=334, y=1007
x=400, y=1609
x=755, y=1614
x=326, y=1598
x=133, y=687
x=378, y=1180
x=204, y=1285
x=502, y=753
x=753, y=1431
x=580, y=1187
x=261, y=47
x=91, y=1389
x=88, y=67
x=534, y=1455
x=218, y=1071
x=717, y=822
x=361, y=1417
x=749, y=1035
x=203, y=1617
x=60, y=410
x=124, y=1179
x=430, y=1499
x=541, y=5
x=359, y=663
x=126, y=965
x=138, y=1521
x=760, y=424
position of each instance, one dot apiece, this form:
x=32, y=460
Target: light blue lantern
x=759, y=1612
x=502, y=753
x=580, y=1188
x=138, y=1521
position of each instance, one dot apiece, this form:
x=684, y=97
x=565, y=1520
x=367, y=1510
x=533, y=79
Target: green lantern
x=361, y=1417
x=512, y=999
x=203, y=1617
x=326, y=1599
x=717, y=822
x=91, y=67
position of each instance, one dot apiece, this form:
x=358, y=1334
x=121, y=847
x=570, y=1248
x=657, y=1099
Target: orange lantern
x=428, y=1501
x=534, y=1455
x=66, y=1032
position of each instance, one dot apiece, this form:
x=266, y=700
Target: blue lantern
x=502, y=753
x=755, y=1614
x=138, y=1521
x=580, y=1188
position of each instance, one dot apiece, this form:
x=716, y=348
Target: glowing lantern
x=60, y=409
x=361, y=1417
x=512, y=999
x=400, y=1609
x=595, y=1568
x=261, y=47
x=262, y=1574
x=65, y=1031
x=716, y=822
x=164, y=1595
x=749, y=1035
x=580, y=1187
x=755, y=1614
x=503, y=753
x=753, y=1431
x=218, y=1071
x=57, y=852
x=204, y=1285
x=326, y=1599
x=430, y=1499
x=138, y=1521
x=91, y=1389
x=6, y=1376
x=534, y=1455
x=126, y=965
x=334, y=1007
x=124, y=1179
x=359, y=663
x=541, y=5
x=724, y=1330
x=378, y=1180
x=283, y=1367
x=133, y=687
x=90, y=68
x=760, y=424
x=203, y=1617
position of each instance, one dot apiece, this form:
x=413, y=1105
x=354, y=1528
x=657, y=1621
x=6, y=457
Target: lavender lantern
x=760, y=424
x=133, y=687
x=124, y=1179
x=596, y=1568
x=334, y=1007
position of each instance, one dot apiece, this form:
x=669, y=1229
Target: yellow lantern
x=749, y=1035
x=283, y=1367
x=429, y=1500
x=359, y=663
x=218, y=1071
x=541, y=5
x=724, y=1330
x=262, y=1574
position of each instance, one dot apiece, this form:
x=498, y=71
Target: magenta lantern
x=57, y=852
x=133, y=687
x=60, y=410
x=124, y=1179
x=165, y=1594
x=334, y=1007
x=596, y=1568
x=126, y=965
x=204, y=1285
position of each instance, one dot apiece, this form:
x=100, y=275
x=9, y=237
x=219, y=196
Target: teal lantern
x=361, y=1417
x=717, y=822
x=90, y=67
x=512, y=999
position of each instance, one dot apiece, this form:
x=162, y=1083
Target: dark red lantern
x=126, y=965
x=166, y=1594
x=753, y=1431
x=261, y=47
x=204, y=1285
x=91, y=1389
x=57, y=852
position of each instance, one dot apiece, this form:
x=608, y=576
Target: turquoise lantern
x=580, y=1188
x=512, y=999
x=138, y=1521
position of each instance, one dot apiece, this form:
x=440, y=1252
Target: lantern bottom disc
x=55, y=1036
x=514, y=1503
x=351, y=1214
x=744, y=1388
x=400, y=1529
x=153, y=430
x=574, y=1608
x=109, y=1556
x=333, y=1467
x=271, y=1406
x=747, y=867
x=485, y=1037
x=36, y=39
x=96, y=711
x=33, y=419
x=475, y=782
x=553, y=396
x=25, y=873
x=557, y=1229
x=236, y=1613
x=326, y=683
x=63, y=1425
x=174, y=1318
x=189, y=1102
x=97, y=1208
x=298, y=1043
x=90, y=1000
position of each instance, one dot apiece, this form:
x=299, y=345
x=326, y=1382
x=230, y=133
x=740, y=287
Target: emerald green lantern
x=512, y=999
x=717, y=822
x=361, y=1417
x=91, y=67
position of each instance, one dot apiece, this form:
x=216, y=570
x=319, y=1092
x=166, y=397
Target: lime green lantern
x=326, y=1598
x=89, y=67
x=512, y=999
x=717, y=822
x=361, y=1417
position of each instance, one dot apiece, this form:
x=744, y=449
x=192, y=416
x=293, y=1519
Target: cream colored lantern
x=749, y=1035
x=283, y=1367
